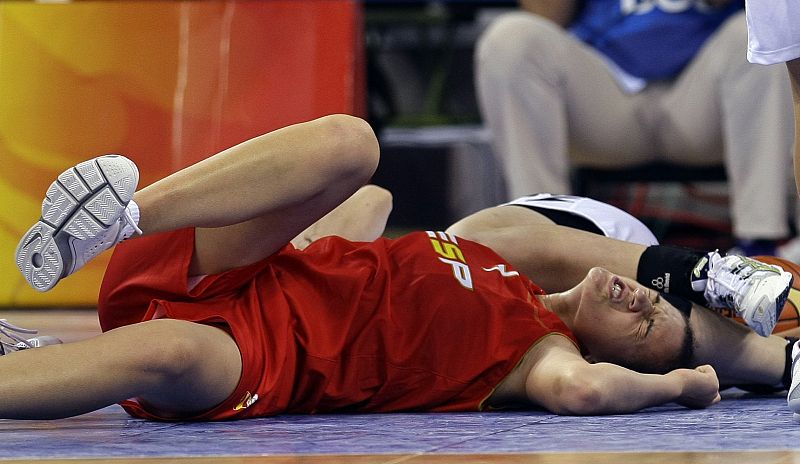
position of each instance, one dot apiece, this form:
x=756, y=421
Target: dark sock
x=668, y=269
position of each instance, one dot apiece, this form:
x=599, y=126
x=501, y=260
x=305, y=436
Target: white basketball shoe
x=793, y=398
x=11, y=340
x=756, y=291
x=87, y=210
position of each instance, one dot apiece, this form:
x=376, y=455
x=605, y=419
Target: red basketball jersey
x=427, y=322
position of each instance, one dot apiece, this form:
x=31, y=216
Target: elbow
x=354, y=145
x=578, y=395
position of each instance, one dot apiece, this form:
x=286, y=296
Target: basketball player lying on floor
x=572, y=236
x=211, y=314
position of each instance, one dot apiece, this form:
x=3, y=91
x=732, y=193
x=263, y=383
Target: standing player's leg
x=793, y=67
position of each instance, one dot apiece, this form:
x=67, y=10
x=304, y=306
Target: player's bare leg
x=250, y=200
x=361, y=218
x=556, y=258
x=177, y=367
x=246, y=202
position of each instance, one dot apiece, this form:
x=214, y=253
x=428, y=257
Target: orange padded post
x=166, y=83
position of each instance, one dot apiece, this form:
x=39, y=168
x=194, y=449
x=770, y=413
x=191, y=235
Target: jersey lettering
x=460, y=272
x=640, y=7
x=446, y=246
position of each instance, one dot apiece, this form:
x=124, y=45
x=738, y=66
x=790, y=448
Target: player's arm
x=563, y=382
x=561, y=12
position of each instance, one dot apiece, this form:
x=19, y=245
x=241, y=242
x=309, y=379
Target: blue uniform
x=650, y=39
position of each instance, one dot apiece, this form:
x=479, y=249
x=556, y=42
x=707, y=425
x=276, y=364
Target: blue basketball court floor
x=743, y=428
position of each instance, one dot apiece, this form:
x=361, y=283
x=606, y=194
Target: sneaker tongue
x=724, y=281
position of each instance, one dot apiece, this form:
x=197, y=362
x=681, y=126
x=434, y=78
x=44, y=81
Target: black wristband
x=668, y=269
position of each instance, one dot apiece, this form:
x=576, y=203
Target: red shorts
x=426, y=322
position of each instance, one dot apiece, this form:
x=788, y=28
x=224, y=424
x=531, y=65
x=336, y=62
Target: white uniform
x=612, y=221
x=773, y=30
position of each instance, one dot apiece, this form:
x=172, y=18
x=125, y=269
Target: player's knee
x=510, y=42
x=464, y=229
x=176, y=357
x=184, y=366
x=170, y=352
x=480, y=227
x=355, y=151
x=472, y=231
x=380, y=199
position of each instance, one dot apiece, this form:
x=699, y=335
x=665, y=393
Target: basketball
x=790, y=316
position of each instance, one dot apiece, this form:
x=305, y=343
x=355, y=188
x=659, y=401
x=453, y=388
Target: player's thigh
x=486, y=223
x=222, y=248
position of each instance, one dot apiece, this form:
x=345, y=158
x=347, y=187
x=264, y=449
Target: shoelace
x=742, y=271
x=10, y=330
x=128, y=218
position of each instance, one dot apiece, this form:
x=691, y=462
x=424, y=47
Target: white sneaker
x=11, y=332
x=756, y=291
x=793, y=398
x=87, y=210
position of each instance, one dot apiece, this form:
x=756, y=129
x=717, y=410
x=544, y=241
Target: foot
x=793, y=397
x=87, y=210
x=11, y=340
x=756, y=291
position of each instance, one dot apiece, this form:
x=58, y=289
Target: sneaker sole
x=765, y=328
x=780, y=302
x=83, y=201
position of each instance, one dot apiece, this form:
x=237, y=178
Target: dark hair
x=682, y=359
x=686, y=356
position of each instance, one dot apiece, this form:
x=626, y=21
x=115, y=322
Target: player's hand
x=700, y=386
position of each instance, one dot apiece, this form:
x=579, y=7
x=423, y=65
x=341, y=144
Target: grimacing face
x=623, y=322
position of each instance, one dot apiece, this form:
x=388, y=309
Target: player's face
x=618, y=320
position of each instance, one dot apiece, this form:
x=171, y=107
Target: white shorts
x=612, y=221
x=773, y=30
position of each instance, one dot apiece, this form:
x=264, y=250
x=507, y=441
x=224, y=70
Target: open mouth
x=617, y=288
